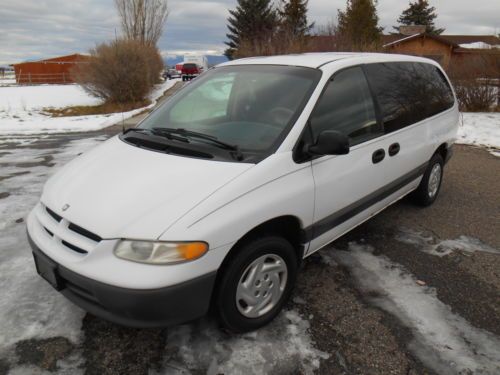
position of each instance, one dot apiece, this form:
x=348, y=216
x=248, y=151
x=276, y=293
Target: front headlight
x=159, y=252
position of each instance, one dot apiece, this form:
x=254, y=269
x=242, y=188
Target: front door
x=345, y=184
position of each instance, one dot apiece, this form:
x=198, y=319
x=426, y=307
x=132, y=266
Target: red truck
x=190, y=71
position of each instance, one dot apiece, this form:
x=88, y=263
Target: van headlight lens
x=159, y=252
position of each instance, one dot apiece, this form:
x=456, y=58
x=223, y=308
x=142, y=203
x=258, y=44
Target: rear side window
x=408, y=92
x=347, y=106
x=441, y=98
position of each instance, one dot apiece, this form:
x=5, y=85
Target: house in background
x=55, y=70
x=480, y=52
x=476, y=54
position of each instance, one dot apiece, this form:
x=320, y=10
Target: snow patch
x=429, y=245
x=444, y=341
x=18, y=99
x=20, y=109
x=284, y=346
x=479, y=45
x=480, y=129
x=29, y=307
x=327, y=259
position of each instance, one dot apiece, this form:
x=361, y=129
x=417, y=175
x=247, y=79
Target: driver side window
x=347, y=106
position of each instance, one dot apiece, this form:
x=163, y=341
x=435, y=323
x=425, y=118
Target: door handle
x=378, y=156
x=394, y=149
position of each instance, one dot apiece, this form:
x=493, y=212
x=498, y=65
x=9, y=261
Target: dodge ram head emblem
x=65, y=207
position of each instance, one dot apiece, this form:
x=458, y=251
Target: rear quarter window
x=408, y=92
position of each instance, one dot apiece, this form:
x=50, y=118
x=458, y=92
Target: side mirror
x=330, y=142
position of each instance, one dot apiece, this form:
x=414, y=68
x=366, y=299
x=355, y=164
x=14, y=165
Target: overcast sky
x=32, y=29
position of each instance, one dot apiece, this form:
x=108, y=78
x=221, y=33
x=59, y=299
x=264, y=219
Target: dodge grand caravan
x=217, y=196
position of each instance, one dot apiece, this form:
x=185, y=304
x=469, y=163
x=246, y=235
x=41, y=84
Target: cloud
x=32, y=29
x=35, y=29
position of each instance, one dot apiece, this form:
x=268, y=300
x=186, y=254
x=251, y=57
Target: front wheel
x=256, y=283
x=429, y=187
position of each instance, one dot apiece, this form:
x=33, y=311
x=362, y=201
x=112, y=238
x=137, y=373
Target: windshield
x=189, y=66
x=251, y=107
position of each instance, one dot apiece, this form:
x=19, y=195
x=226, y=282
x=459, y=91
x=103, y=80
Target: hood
x=121, y=191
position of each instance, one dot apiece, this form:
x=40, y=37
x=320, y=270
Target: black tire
x=422, y=195
x=225, y=296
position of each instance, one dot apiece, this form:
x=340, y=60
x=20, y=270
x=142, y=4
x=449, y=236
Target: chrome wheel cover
x=261, y=286
x=434, y=180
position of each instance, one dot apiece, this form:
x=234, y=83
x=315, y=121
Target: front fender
x=254, y=198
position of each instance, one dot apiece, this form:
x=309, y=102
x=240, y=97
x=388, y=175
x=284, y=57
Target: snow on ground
x=480, y=129
x=428, y=244
x=17, y=99
x=20, y=109
x=31, y=309
x=283, y=347
x=8, y=78
x=442, y=340
x=479, y=45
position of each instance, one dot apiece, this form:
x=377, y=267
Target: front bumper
x=129, y=307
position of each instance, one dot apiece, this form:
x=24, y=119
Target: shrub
x=475, y=95
x=122, y=71
x=476, y=82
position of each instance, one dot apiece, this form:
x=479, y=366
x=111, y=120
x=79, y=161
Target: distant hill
x=212, y=60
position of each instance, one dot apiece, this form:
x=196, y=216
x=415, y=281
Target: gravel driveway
x=412, y=291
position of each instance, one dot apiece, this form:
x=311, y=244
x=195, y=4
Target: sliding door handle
x=378, y=156
x=394, y=149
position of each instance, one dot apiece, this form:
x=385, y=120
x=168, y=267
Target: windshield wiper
x=138, y=130
x=168, y=135
x=188, y=133
x=156, y=131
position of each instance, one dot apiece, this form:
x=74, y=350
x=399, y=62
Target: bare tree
x=143, y=20
x=328, y=29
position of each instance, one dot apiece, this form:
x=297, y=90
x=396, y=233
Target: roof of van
x=315, y=60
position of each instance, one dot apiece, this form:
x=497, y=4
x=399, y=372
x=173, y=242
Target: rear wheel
x=256, y=283
x=429, y=187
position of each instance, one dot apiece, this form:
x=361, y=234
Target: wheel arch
x=443, y=151
x=288, y=226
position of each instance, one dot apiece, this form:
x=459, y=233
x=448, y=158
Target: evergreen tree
x=293, y=18
x=358, y=26
x=250, y=26
x=420, y=13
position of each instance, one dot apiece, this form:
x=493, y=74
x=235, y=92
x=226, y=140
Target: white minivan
x=217, y=196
